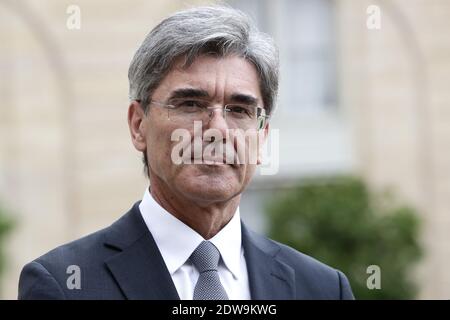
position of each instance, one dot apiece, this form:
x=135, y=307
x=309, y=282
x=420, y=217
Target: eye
x=190, y=105
x=241, y=110
x=238, y=109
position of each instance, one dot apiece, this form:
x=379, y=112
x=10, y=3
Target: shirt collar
x=163, y=226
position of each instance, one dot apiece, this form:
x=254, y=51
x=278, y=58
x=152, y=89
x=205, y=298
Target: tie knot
x=205, y=257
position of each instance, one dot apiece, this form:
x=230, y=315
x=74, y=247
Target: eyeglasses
x=242, y=116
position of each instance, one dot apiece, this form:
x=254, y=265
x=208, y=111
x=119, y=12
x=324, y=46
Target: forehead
x=218, y=75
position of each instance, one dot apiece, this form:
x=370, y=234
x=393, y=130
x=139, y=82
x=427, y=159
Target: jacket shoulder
x=46, y=277
x=313, y=278
x=326, y=281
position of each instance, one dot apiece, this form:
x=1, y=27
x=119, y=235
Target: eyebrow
x=244, y=98
x=200, y=93
x=188, y=93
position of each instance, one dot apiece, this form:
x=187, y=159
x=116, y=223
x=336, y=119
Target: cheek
x=247, y=148
x=159, y=146
x=249, y=171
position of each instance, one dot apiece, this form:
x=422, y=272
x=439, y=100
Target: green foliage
x=6, y=225
x=339, y=223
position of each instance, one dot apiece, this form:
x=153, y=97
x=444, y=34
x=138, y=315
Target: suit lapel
x=138, y=268
x=269, y=278
x=141, y=273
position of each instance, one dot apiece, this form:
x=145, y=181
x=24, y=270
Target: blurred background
x=363, y=117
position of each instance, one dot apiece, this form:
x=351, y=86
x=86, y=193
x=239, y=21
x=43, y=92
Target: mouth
x=217, y=157
x=211, y=161
x=225, y=157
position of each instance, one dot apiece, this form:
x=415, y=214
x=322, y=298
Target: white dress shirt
x=176, y=241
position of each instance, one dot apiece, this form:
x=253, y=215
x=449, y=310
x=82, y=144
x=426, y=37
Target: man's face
x=222, y=79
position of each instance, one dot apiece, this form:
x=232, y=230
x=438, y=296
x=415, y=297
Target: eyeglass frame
x=224, y=109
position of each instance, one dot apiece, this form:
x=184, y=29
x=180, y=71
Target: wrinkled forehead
x=217, y=75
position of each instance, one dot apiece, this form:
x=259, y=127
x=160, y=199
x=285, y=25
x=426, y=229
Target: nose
x=217, y=119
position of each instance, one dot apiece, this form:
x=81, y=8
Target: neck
x=206, y=218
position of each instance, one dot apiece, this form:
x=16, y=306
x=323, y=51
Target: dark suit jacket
x=123, y=262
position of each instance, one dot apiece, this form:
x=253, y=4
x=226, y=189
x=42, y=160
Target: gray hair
x=215, y=30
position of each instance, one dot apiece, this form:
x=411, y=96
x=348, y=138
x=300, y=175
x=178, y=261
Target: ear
x=262, y=138
x=137, y=125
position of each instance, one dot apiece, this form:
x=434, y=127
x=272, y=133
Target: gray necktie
x=206, y=259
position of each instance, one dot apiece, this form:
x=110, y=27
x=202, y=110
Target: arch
x=421, y=87
x=58, y=67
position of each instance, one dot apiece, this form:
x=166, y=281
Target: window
x=304, y=32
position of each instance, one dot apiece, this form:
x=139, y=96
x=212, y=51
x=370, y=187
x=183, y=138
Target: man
x=201, y=70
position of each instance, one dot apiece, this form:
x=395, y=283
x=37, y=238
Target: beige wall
x=394, y=83
x=67, y=166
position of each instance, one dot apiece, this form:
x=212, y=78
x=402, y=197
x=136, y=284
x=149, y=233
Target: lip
x=211, y=161
x=208, y=160
x=219, y=159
